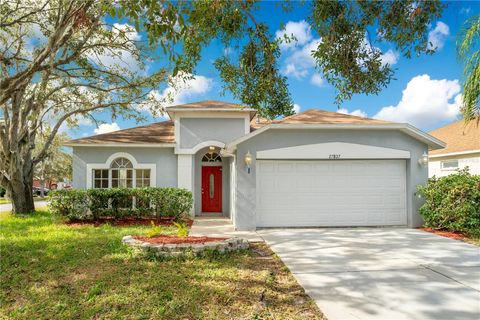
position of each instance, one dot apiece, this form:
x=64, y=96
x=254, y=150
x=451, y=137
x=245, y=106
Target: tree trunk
x=22, y=197
x=19, y=189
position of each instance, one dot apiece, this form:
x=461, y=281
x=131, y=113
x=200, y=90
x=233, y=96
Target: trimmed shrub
x=452, y=203
x=2, y=192
x=94, y=204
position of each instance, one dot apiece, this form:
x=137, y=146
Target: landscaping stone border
x=227, y=245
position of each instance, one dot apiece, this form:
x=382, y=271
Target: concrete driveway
x=382, y=273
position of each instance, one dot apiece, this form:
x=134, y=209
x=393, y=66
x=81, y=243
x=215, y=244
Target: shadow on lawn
x=50, y=270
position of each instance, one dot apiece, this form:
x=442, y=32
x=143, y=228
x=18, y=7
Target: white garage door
x=331, y=193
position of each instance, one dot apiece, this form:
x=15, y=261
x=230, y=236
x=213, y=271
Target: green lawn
x=53, y=271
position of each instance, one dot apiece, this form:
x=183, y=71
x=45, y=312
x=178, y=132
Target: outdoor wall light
x=423, y=160
x=211, y=149
x=248, y=161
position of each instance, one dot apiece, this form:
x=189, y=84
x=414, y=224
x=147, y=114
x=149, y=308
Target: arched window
x=122, y=173
x=211, y=157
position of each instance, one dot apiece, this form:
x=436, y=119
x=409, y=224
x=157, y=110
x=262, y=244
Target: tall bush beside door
x=452, y=203
x=95, y=204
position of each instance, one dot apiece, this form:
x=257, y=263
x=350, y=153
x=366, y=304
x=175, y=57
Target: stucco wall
x=472, y=161
x=277, y=138
x=164, y=158
x=198, y=183
x=196, y=130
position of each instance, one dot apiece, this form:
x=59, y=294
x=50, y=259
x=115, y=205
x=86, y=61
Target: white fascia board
x=459, y=153
x=143, y=145
x=431, y=141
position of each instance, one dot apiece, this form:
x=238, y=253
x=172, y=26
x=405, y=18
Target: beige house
x=462, y=150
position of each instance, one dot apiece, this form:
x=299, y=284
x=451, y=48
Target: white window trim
x=107, y=164
x=451, y=168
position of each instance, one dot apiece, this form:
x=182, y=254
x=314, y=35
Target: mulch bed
x=177, y=240
x=129, y=222
x=444, y=233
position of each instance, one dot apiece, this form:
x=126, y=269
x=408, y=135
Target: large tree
x=64, y=60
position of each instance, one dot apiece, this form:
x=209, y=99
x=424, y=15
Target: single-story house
x=462, y=150
x=315, y=168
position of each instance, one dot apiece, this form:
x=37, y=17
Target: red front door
x=211, y=189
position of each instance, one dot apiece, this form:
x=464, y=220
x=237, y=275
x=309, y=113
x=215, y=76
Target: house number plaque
x=334, y=156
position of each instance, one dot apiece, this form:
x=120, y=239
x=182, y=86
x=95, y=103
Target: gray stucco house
x=315, y=168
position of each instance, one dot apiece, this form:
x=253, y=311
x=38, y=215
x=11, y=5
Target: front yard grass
x=53, y=271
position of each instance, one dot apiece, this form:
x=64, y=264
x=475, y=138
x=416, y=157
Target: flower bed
x=164, y=221
x=175, y=246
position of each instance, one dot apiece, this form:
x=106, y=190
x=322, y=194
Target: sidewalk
x=8, y=206
x=220, y=227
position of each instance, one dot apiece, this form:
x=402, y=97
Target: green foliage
x=182, y=229
x=93, y=204
x=452, y=203
x=154, y=230
x=2, y=192
x=348, y=54
x=467, y=47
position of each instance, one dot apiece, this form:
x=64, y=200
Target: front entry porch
x=220, y=227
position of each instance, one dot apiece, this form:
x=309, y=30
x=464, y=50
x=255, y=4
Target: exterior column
x=185, y=174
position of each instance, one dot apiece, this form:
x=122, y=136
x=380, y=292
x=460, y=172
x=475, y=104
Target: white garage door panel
x=331, y=193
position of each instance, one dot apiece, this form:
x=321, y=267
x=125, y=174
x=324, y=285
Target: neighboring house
x=462, y=150
x=315, y=168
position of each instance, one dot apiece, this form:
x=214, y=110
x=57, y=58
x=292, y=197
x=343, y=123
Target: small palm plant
x=154, y=230
x=469, y=52
x=182, y=229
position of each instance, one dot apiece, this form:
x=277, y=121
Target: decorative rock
x=174, y=250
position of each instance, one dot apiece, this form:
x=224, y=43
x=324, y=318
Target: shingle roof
x=458, y=137
x=164, y=132
x=160, y=132
x=317, y=116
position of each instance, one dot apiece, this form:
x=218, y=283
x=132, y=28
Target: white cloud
x=301, y=61
x=227, y=51
x=184, y=86
x=300, y=30
x=465, y=10
x=425, y=102
x=358, y=112
x=180, y=89
x=296, y=108
x=317, y=80
x=106, y=128
x=390, y=57
x=437, y=36
x=124, y=59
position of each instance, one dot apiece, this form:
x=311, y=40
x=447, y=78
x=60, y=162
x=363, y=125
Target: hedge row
x=94, y=204
x=452, y=203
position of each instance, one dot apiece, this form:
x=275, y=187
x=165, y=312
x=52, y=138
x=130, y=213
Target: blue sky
x=426, y=92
